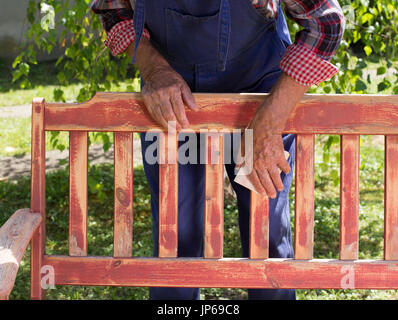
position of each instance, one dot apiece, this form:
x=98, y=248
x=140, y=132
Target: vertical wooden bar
x=259, y=226
x=38, y=197
x=304, y=204
x=78, y=162
x=214, y=197
x=349, y=196
x=391, y=198
x=168, y=195
x=123, y=210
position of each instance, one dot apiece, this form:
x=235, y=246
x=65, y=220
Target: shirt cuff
x=306, y=67
x=121, y=35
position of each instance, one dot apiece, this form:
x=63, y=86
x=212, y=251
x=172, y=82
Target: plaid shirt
x=306, y=61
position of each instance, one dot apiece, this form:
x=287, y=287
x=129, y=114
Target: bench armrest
x=15, y=236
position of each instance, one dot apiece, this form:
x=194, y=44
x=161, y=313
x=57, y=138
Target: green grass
x=15, y=137
x=43, y=78
x=15, y=194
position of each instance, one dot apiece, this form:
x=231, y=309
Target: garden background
x=368, y=64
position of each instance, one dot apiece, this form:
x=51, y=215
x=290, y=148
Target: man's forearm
x=148, y=58
x=279, y=104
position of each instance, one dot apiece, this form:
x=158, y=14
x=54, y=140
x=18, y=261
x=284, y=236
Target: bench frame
x=124, y=113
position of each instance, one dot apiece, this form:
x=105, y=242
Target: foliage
x=70, y=25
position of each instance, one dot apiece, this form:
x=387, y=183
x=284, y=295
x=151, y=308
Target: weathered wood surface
x=15, y=235
x=391, y=199
x=349, y=115
x=38, y=196
x=304, y=203
x=228, y=273
x=315, y=114
x=168, y=196
x=259, y=226
x=214, y=197
x=78, y=212
x=123, y=208
x=349, y=197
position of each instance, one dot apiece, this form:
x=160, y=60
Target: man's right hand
x=165, y=92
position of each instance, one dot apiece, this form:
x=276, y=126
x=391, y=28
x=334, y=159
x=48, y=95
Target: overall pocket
x=192, y=39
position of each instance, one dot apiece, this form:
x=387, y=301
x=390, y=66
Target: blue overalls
x=217, y=46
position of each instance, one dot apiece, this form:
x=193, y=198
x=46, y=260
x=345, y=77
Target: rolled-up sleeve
x=307, y=60
x=117, y=19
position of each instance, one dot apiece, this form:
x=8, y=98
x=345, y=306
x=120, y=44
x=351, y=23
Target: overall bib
x=217, y=46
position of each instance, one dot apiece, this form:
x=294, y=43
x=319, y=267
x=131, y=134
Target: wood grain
x=168, y=196
x=304, y=191
x=38, y=195
x=78, y=188
x=123, y=209
x=15, y=235
x=225, y=273
x=349, y=197
x=214, y=197
x=259, y=226
x=315, y=114
x=391, y=199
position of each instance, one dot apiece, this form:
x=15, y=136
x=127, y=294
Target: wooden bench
x=124, y=113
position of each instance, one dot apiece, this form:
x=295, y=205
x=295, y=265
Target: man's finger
x=266, y=183
x=254, y=179
x=168, y=113
x=158, y=116
x=179, y=110
x=276, y=178
x=284, y=166
x=188, y=98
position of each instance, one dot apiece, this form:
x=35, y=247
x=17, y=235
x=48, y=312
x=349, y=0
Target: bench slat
x=259, y=226
x=315, y=114
x=225, y=273
x=123, y=198
x=38, y=195
x=304, y=190
x=15, y=235
x=168, y=196
x=349, y=197
x=391, y=199
x=78, y=162
x=214, y=197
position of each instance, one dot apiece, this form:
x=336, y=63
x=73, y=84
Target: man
x=184, y=46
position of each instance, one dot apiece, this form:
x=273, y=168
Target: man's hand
x=268, y=124
x=165, y=92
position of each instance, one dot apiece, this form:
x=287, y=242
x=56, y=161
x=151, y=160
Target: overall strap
x=139, y=21
x=224, y=34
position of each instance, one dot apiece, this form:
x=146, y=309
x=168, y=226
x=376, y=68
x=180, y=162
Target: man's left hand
x=268, y=124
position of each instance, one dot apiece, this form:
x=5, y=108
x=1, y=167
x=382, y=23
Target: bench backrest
x=125, y=113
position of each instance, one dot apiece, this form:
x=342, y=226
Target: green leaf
x=58, y=95
x=366, y=17
x=381, y=70
x=368, y=50
x=326, y=89
x=385, y=84
x=360, y=85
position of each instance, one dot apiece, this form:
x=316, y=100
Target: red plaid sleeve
x=307, y=60
x=304, y=66
x=121, y=35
